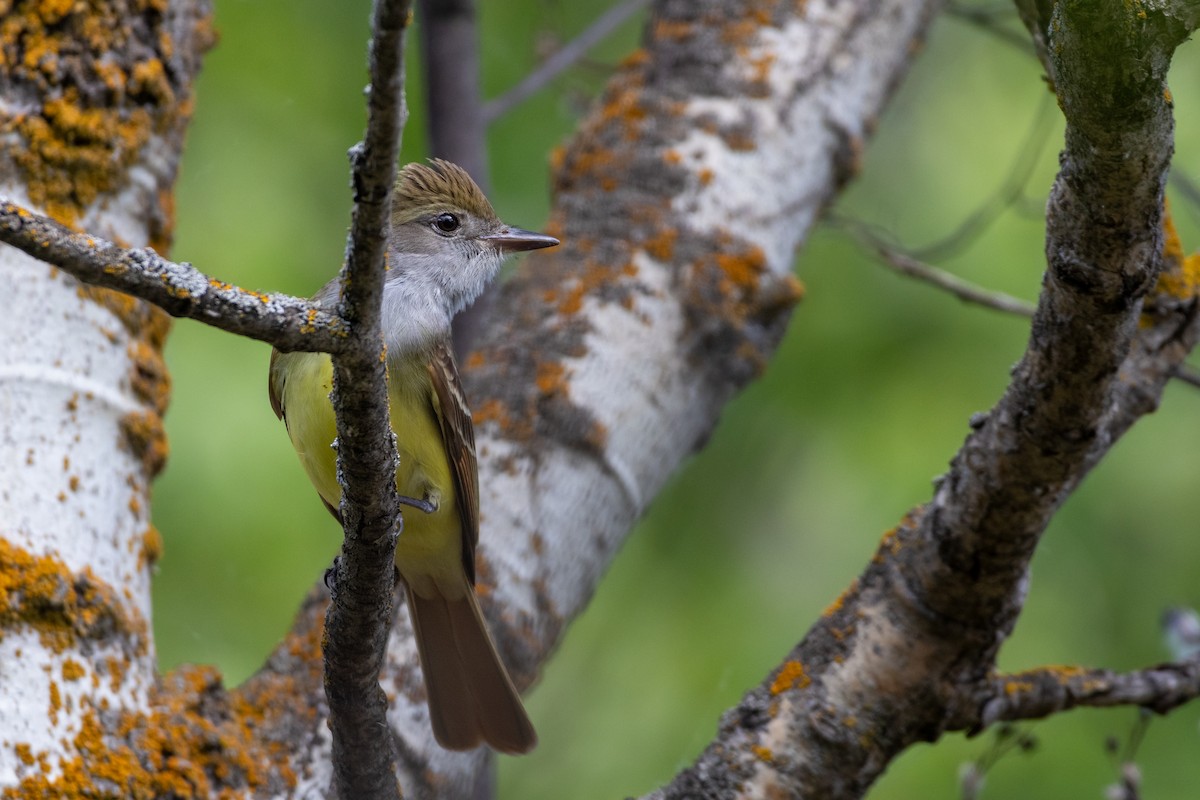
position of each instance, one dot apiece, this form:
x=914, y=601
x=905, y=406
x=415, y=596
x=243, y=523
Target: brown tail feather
x=471, y=698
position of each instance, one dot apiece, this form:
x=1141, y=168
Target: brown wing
x=459, y=436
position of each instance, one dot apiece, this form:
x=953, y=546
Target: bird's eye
x=446, y=223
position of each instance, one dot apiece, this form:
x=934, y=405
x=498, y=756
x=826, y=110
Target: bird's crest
x=436, y=186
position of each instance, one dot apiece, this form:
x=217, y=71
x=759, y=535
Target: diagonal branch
x=562, y=59
x=905, y=264
x=917, y=634
x=181, y=290
x=360, y=615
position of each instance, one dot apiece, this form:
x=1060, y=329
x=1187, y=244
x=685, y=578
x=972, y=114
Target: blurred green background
x=865, y=403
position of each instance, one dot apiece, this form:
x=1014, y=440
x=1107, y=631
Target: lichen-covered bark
x=680, y=203
x=95, y=97
x=908, y=651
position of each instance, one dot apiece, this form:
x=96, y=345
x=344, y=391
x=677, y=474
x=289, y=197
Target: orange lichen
x=41, y=593
x=791, y=676
x=638, y=58
x=151, y=549
x=760, y=72
x=72, y=670
x=140, y=319
x=762, y=753
x=551, y=378
x=741, y=32
x=195, y=742
x=144, y=436
x=889, y=545
x=661, y=246
x=490, y=411
x=105, y=91
x=24, y=753
x=744, y=268
x=55, y=703
x=1180, y=276
x=840, y=601
x=738, y=140
x=671, y=29
x=148, y=375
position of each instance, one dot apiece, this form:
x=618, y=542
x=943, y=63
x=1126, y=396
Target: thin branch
x=1041, y=692
x=907, y=265
x=1009, y=193
x=991, y=21
x=181, y=290
x=1187, y=374
x=360, y=614
x=928, y=615
x=560, y=61
x=963, y=290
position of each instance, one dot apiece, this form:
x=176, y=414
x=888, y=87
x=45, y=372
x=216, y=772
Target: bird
x=445, y=245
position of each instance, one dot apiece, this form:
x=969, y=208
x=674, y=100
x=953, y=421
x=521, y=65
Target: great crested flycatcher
x=444, y=245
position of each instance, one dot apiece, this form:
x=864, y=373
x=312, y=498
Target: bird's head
x=446, y=237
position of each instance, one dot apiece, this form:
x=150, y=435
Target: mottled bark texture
x=288, y=323
x=907, y=653
x=360, y=617
x=681, y=202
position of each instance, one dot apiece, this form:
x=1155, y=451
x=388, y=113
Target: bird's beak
x=515, y=240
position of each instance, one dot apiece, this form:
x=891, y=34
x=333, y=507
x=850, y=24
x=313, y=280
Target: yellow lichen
x=40, y=592
x=98, y=68
x=144, y=436
x=791, y=676
x=1180, y=276
x=661, y=246
x=551, y=378
x=72, y=670
x=151, y=549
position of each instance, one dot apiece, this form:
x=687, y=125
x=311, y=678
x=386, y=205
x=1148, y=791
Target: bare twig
x=908, y=265
x=181, y=290
x=1009, y=193
x=556, y=64
x=1041, y=692
x=1187, y=374
x=991, y=20
x=963, y=290
x=1006, y=739
x=360, y=615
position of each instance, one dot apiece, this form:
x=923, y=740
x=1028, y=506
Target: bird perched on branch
x=445, y=245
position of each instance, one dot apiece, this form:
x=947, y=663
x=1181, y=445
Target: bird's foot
x=424, y=504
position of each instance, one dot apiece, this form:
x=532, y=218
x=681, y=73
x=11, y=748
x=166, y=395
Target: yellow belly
x=429, y=552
